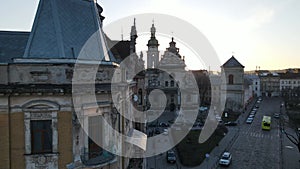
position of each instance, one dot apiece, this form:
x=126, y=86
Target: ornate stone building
x=161, y=74
x=47, y=117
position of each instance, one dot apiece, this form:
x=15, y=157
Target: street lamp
x=207, y=159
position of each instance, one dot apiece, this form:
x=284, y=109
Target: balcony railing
x=97, y=158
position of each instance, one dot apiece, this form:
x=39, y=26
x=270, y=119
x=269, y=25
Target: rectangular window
x=172, y=83
x=41, y=136
x=95, y=136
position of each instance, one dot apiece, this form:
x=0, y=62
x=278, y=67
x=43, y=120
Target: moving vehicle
x=171, y=156
x=266, y=123
x=225, y=159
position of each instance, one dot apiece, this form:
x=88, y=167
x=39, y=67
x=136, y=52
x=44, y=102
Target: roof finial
x=134, y=21
x=122, y=33
x=233, y=53
x=153, y=29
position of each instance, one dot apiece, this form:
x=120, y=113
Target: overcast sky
x=263, y=33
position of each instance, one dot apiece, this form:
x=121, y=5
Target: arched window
x=230, y=79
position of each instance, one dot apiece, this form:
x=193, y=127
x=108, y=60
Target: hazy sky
x=263, y=33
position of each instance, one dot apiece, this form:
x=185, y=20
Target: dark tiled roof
x=12, y=45
x=232, y=62
x=289, y=75
x=120, y=49
x=61, y=29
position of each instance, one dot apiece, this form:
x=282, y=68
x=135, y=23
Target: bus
x=266, y=123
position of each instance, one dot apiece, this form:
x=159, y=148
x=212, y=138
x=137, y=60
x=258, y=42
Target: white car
x=249, y=120
x=165, y=132
x=225, y=159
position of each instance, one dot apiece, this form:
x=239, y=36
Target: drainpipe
x=9, y=118
x=9, y=131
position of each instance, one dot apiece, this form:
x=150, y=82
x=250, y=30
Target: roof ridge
x=232, y=62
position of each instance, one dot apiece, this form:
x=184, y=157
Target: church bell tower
x=152, y=53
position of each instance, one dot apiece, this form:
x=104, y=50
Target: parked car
x=252, y=113
x=165, y=132
x=251, y=116
x=164, y=124
x=203, y=108
x=257, y=106
x=276, y=115
x=225, y=159
x=249, y=120
x=230, y=123
x=171, y=156
x=254, y=109
x=197, y=124
x=157, y=131
x=152, y=125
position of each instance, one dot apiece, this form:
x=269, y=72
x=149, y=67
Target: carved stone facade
x=41, y=125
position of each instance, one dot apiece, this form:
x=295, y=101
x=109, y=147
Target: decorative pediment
x=40, y=105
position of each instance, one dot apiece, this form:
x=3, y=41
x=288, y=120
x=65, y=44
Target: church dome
x=153, y=42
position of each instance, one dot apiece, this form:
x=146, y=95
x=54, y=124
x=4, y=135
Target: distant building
x=216, y=82
x=205, y=87
x=255, y=84
x=269, y=84
x=289, y=85
x=248, y=90
x=233, y=84
x=289, y=81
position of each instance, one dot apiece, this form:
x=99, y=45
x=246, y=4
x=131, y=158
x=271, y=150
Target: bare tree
x=294, y=139
x=294, y=134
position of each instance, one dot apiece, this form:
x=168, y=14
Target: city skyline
x=260, y=34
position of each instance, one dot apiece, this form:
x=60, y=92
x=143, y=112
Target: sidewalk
x=289, y=152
